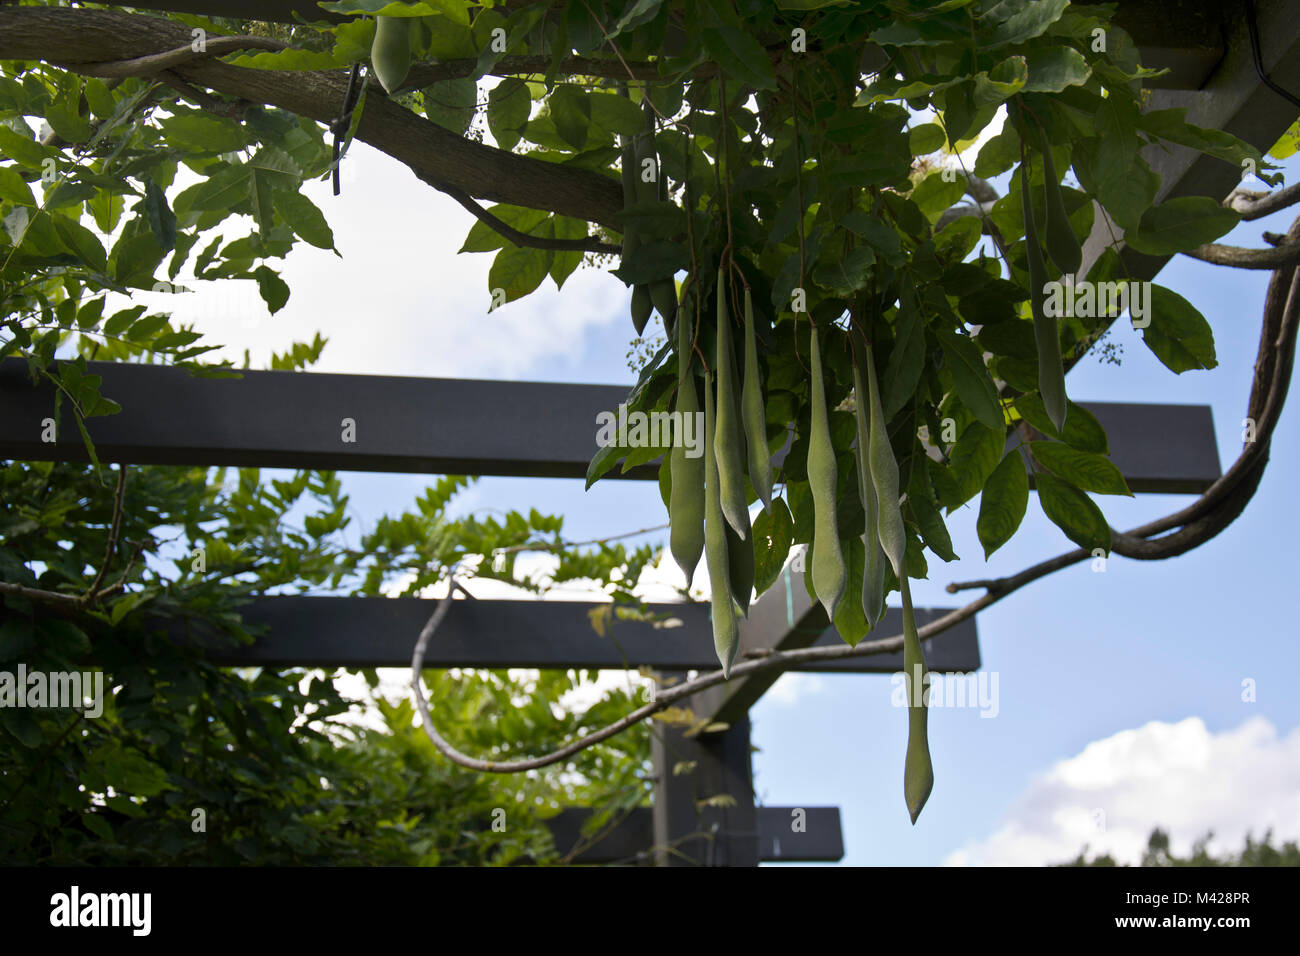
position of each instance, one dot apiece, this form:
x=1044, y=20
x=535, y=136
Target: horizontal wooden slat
x=443, y=426
x=381, y=632
x=785, y=835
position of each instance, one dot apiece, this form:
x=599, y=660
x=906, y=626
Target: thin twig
x=152, y=63
x=92, y=592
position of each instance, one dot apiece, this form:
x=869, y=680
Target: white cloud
x=1180, y=777
x=401, y=300
x=792, y=686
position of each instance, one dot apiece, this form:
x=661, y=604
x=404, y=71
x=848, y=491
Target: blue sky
x=1119, y=693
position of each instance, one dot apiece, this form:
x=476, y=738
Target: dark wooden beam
x=303, y=631
x=704, y=812
x=785, y=835
x=1231, y=99
x=442, y=426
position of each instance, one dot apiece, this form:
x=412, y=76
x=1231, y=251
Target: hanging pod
x=686, y=497
x=740, y=568
x=1062, y=244
x=873, y=577
x=1051, y=371
x=918, y=769
x=884, y=475
x=754, y=413
x=391, y=51
x=730, y=438
x=827, y=560
x=726, y=632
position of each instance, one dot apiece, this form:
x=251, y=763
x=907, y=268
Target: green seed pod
x=740, y=568
x=873, y=578
x=663, y=293
x=753, y=412
x=731, y=440
x=644, y=145
x=918, y=771
x=629, y=172
x=1062, y=244
x=1051, y=371
x=726, y=632
x=686, y=498
x=884, y=475
x=640, y=307
x=391, y=51
x=826, y=565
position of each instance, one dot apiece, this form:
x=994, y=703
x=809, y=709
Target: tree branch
x=73, y=38
x=1252, y=204
x=588, y=244
x=1241, y=258
x=152, y=63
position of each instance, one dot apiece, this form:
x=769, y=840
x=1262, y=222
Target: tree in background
x=1261, y=853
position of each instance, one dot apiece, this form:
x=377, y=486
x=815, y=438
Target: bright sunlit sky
x=1120, y=694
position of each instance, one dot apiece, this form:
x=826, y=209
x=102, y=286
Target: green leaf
x=162, y=221
x=1178, y=334
x=1081, y=468
x=739, y=53
x=304, y=218
x=135, y=259
x=1001, y=83
x=850, y=621
x=971, y=379
x=1002, y=503
x=571, y=114
x=82, y=241
x=451, y=103
x=842, y=276
x=203, y=133
x=277, y=167
x=906, y=359
x=564, y=262
x=14, y=188
x=483, y=238
x=773, y=534
x=653, y=260
x=273, y=289
x=1082, y=430
x=222, y=190
x=1073, y=512
x=926, y=138
x=1021, y=20
x=508, y=109
x=23, y=150
x=615, y=114
x=1177, y=225
x=518, y=270
x=976, y=453
x=65, y=119
x=925, y=508
x=1052, y=69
